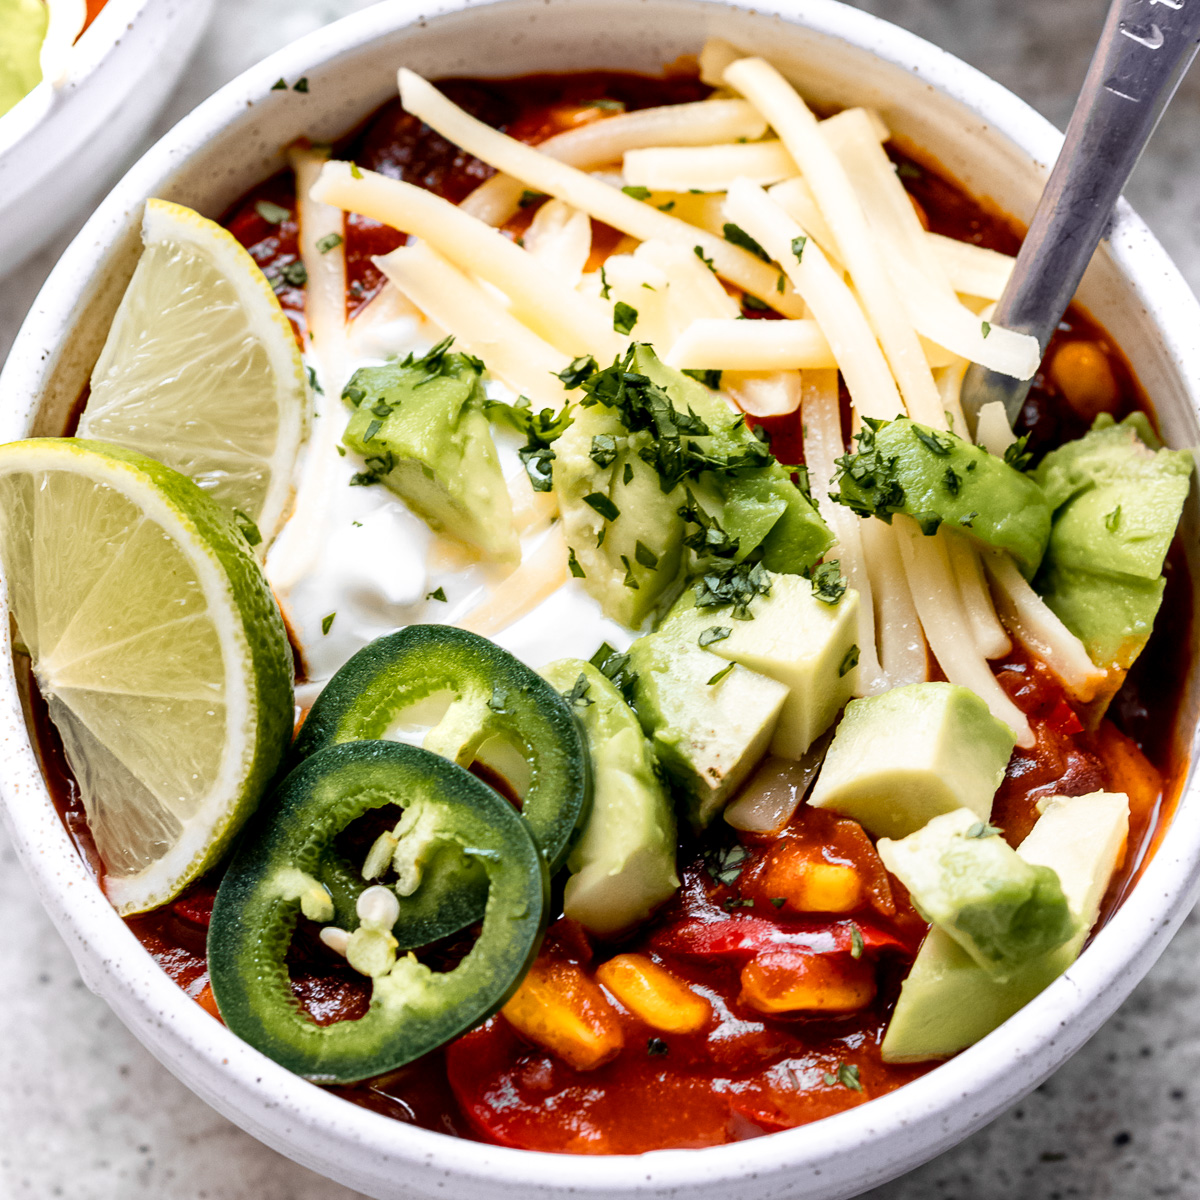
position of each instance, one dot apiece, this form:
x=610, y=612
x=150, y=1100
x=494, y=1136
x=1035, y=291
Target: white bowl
x=62, y=144
x=983, y=135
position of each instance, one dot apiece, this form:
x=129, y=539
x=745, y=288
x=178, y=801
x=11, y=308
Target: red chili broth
x=747, y=1074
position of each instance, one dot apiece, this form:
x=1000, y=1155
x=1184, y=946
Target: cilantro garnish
x=846, y=1075
x=981, y=829
x=714, y=633
x=499, y=701
x=874, y=472
x=529, y=197
x=710, y=378
x=605, y=290
x=645, y=556
x=1113, y=519
x=638, y=193
x=849, y=662
x=355, y=173
x=737, y=236
x=574, y=565
x=330, y=241
x=615, y=668
x=578, y=696
x=827, y=582
x=754, y=304
x=1017, y=456
x=953, y=481
x=438, y=593
x=708, y=262
x=629, y=580
x=295, y=273
x=986, y=327
x=798, y=244
x=934, y=442
x=603, y=505
x=670, y=204
x=301, y=84
x=327, y=622
x=280, y=85
x=377, y=466
x=577, y=370
x=734, y=584
x=604, y=450
x=625, y=317
x=273, y=214
x=725, y=864
x=313, y=382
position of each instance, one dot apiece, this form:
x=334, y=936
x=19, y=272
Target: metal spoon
x=1145, y=48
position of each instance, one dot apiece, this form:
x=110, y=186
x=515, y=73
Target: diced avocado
x=649, y=445
x=623, y=866
x=966, y=879
x=596, y=463
x=761, y=506
x=709, y=722
x=903, y=757
x=1116, y=504
x=935, y=477
x=794, y=637
x=420, y=426
x=948, y=1002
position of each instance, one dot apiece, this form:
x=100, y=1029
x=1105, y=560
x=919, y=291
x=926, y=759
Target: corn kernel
x=653, y=994
x=784, y=982
x=810, y=884
x=563, y=1011
x=1083, y=374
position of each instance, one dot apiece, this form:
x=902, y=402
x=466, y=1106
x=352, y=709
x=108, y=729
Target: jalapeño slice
x=500, y=714
x=413, y=1009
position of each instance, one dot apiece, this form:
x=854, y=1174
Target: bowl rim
x=87, y=54
x=982, y=1079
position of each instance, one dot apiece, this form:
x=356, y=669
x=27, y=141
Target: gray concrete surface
x=87, y=1114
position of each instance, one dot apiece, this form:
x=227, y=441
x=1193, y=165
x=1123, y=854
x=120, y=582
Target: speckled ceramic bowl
x=984, y=136
x=63, y=144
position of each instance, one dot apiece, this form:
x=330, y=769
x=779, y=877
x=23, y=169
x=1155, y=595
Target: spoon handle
x=1145, y=48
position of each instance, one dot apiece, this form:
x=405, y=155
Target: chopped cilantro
x=733, y=584
x=604, y=450
x=603, y=505
x=754, y=304
x=827, y=582
x=378, y=465
x=578, y=696
x=280, y=85
x=331, y=241
x=856, y=941
x=646, y=556
x=670, y=204
x=710, y=378
x=968, y=519
x=981, y=829
x=615, y=668
x=798, y=244
x=638, y=193
x=936, y=443
x=499, y=701
x=301, y=84
x=529, y=197
x=1017, y=456
x=573, y=563
x=273, y=214
x=708, y=262
x=295, y=273
x=605, y=290
x=577, y=370
x=327, y=622
x=953, y=481
x=313, y=382
x=438, y=593
x=1113, y=519
x=725, y=864
x=848, y=663
x=987, y=328
x=625, y=317
x=778, y=901
x=721, y=674
x=714, y=633
x=627, y=474
x=846, y=1075
x=355, y=173
x=373, y=427
x=737, y=236
x=629, y=581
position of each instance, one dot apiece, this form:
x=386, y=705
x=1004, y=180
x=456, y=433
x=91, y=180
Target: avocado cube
x=949, y=1002
x=623, y=866
x=903, y=757
x=611, y=504
x=967, y=880
x=1117, y=501
x=794, y=637
x=709, y=723
x=420, y=427
x=934, y=477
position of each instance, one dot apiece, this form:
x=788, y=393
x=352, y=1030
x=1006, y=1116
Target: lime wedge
x=158, y=648
x=201, y=369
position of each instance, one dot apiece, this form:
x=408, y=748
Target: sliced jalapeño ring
x=274, y=877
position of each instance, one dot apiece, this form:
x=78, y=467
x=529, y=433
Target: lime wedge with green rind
x=158, y=648
x=201, y=369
